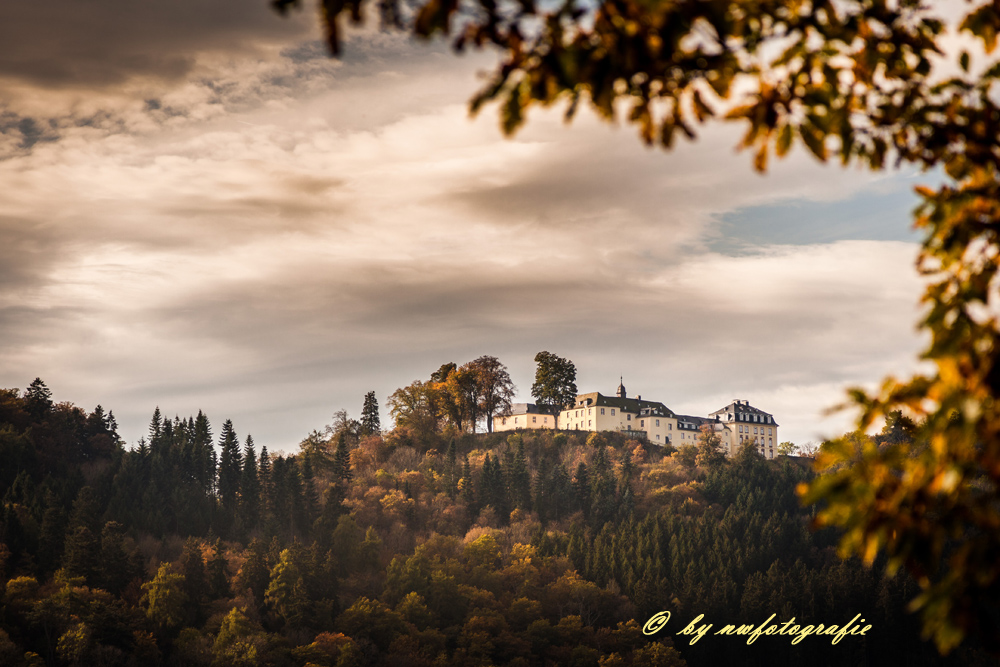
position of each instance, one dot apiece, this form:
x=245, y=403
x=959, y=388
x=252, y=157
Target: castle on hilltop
x=736, y=423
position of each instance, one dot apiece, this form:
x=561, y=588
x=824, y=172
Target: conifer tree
x=249, y=507
x=52, y=534
x=229, y=470
x=117, y=567
x=520, y=478
x=202, y=437
x=218, y=572
x=581, y=486
x=195, y=583
x=450, y=471
x=38, y=400
x=310, y=499
x=468, y=492
x=371, y=423
x=342, y=460
x=155, y=429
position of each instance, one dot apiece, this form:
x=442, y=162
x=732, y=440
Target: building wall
x=660, y=430
x=524, y=420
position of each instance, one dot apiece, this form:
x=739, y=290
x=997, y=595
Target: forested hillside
x=411, y=547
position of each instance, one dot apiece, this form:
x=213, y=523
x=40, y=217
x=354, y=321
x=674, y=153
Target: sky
x=202, y=210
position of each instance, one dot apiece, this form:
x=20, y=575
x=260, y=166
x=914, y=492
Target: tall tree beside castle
x=496, y=389
x=555, y=382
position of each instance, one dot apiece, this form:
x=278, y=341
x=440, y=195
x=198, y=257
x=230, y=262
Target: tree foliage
x=555, y=382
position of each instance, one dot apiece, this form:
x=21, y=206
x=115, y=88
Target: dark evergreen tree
x=342, y=460
x=581, y=487
x=255, y=574
x=82, y=556
x=218, y=573
x=249, y=506
x=520, y=478
x=371, y=424
x=52, y=534
x=38, y=400
x=205, y=453
x=117, y=566
x=230, y=472
x=193, y=568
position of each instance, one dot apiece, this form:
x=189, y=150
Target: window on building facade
x=612, y=412
x=515, y=420
x=642, y=422
x=590, y=423
x=534, y=420
x=590, y=411
x=770, y=431
x=504, y=422
x=630, y=418
x=657, y=422
x=602, y=411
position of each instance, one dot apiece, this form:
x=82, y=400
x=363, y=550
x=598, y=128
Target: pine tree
x=520, y=478
x=218, y=573
x=229, y=471
x=342, y=460
x=155, y=429
x=205, y=452
x=310, y=499
x=193, y=568
x=52, y=534
x=371, y=424
x=38, y=400
x=450, y=473
x=117, y=567
x=581, y=486
x=249, y=510
x=266, y=487
x=468, y=492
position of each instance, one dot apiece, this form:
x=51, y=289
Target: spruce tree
x=229, y=471
x=581, y=486
x=218, y=573
x=195, y=582
x=249, y=508
x=342, y=460
x=117, y=567
x=38, y=400
x=371, y=424
x=266, y=489
x=155, y=429
x=202, y=436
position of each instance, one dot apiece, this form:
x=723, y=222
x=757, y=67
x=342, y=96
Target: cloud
x=269, y=239
x=86, y=45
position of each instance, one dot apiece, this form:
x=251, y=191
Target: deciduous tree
x=555, y=382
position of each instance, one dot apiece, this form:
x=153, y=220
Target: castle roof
x=633, y=405
x=740, y=410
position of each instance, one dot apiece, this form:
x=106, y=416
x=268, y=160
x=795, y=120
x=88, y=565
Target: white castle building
x=735, y=424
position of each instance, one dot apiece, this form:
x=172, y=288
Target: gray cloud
x=60, y=43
